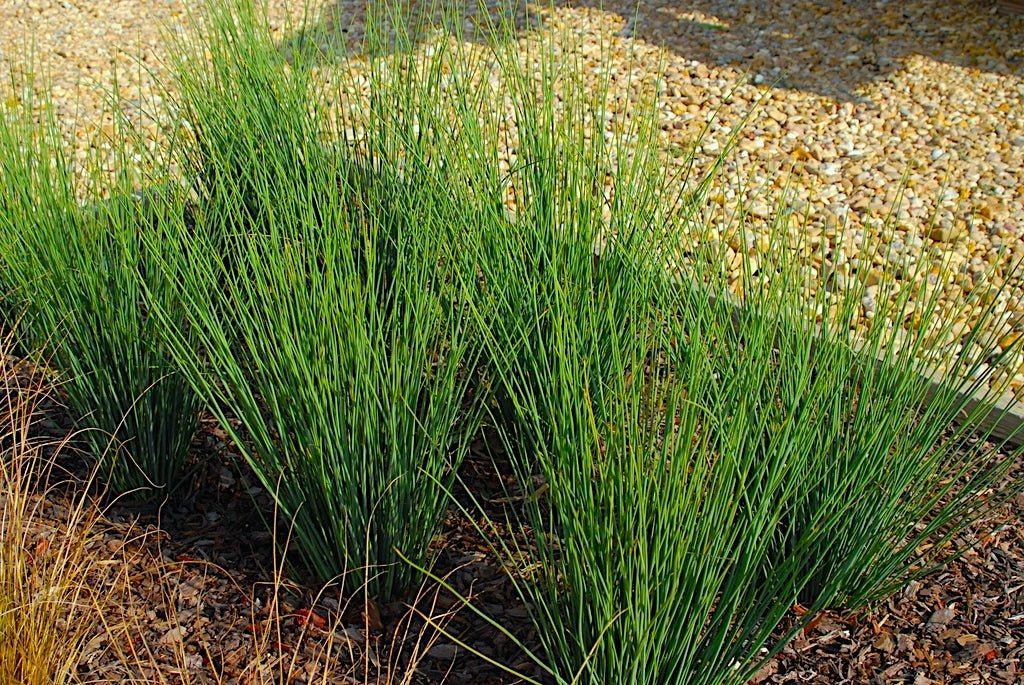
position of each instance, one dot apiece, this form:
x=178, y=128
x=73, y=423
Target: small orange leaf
x=304, y=616
x=814, y=622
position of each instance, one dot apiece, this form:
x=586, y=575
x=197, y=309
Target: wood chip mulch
x=964, y=624
x=191, y=597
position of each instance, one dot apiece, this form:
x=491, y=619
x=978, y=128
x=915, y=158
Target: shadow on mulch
x=208, y=585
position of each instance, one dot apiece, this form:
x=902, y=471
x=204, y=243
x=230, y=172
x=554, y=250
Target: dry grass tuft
x=47, y=611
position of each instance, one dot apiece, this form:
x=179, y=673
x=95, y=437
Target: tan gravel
x=852, y=98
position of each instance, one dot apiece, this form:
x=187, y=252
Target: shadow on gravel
x=827, y=47
x=343, y=28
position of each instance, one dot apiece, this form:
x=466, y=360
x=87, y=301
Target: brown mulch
x=964, y=624
x=205, y=563
x=194, y=600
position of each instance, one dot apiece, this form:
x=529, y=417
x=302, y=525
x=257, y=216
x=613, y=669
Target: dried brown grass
x=47, y=607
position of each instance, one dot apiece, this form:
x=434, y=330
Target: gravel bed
x=848, y=103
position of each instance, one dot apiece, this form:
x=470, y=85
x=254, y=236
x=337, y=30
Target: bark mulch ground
x=194, y=600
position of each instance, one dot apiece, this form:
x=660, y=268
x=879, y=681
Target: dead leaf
x=765, y=672
x=173, y=636
x=304, y=616
x=371, y=617
x=966, y=639
x=940, y=618
x=885, y=643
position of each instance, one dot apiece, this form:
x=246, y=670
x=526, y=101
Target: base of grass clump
x=209, y=574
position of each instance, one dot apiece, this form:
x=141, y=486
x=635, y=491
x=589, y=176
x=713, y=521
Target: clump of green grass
x=322, y=291
x=898, y=459
x=691, y=465
x=75, y=276
x=647, y=515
